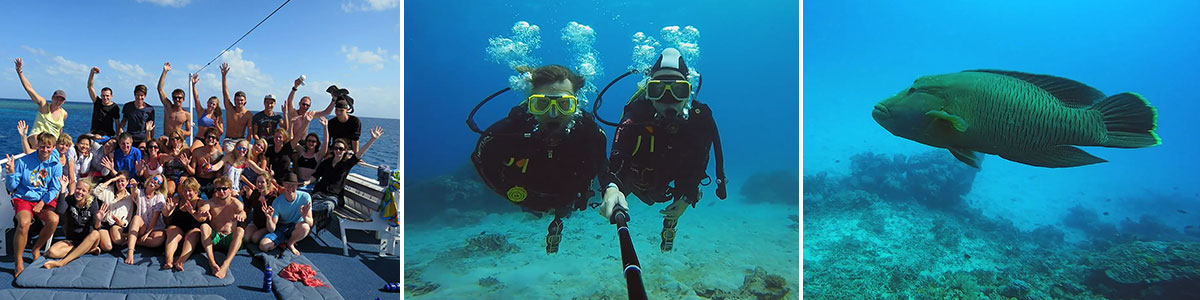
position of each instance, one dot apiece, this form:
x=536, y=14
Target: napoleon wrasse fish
x=1027, y=118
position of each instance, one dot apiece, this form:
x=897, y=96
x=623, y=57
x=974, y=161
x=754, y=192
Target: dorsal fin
x=1072, y=93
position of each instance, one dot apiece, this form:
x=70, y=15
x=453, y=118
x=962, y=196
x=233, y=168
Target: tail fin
x=1130, y=121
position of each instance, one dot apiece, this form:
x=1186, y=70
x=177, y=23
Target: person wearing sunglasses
x=205, y=156
x=664, y=136
x=545, y=153
x=330, y=175
x=177, y=118
x=302, y=116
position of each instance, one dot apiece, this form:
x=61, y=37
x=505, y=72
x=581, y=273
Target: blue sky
x=354, y=44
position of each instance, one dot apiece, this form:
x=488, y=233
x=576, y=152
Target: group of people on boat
x=248, y=177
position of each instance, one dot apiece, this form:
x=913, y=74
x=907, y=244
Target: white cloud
x=245, y=76
x=132, y=72
x=169, y=3
x=33, y=50
x=373, y=58
x=370, y=5
x=63, y=66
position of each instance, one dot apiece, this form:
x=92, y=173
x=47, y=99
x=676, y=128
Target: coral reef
x=490, y=283
x=1148, y=270
x=781, y=186
x=489, y=243
x=758, y=284
x=414, y=286
x=932, y=178
x=426, y=199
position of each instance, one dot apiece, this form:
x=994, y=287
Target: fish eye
x=912, y=90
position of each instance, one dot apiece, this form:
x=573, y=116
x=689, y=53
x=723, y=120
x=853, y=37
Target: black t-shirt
x=266, y=124
x=80, y=221
x=103, y=117
x=349, y=130
x=254, y=208
x=280, y=162
x=331, y=178
x=135, y=119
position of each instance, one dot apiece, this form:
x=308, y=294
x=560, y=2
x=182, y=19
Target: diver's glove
x=611, y=198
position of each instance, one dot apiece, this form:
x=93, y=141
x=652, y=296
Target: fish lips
x=880, y=113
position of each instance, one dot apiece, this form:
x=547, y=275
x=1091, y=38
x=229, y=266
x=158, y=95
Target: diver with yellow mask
x=660, y=148
x=545, y=153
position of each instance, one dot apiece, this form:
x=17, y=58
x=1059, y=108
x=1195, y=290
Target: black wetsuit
x=554, y=176
x=648, y=154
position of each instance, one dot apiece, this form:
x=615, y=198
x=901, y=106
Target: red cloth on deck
x=299, y=272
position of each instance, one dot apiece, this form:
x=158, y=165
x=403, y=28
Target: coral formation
x=1149, y=269
x=758, y=284
x=932, y=178
x=487, y=243
x=490, y=283
x=414, y=286
x=427, y=199
x=781, y=186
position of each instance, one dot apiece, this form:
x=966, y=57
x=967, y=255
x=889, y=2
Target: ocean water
x=385, y=151
x=921, y=227
x=463, y=241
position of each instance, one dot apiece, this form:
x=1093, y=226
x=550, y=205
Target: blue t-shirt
x=127, y=162
x=288, y=212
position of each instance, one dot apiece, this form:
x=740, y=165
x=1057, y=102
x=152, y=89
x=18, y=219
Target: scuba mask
x=680, y=89
x=563, y=104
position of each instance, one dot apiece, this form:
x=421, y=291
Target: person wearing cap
x=177, y=118
x=544, y=155
x=237, y=117
x=34, y=180
x=106, y=114
x=138, y=117
x=344, y=126
x=221, y=230
x=664, y=136
x=50, y=115
x=301, y=117
x=289, y=217
x=263, y=124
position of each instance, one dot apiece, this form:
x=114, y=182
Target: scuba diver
x=545, y=153
x=664, y=137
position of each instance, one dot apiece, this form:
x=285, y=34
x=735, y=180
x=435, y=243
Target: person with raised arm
x=301, y=117
x=50, y=115
x=177, y=118
x=237, y=118
x=106, y=114
x=210, y=115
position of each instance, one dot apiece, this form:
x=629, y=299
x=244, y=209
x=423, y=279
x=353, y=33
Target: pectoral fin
x=971, y=158
x=956, y=121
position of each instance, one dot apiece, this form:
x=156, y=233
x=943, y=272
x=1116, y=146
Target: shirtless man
x=300, y=118
x=177, y=117
x=289, y=218
x=106, y=114
x=237, y=117
x=222, y=231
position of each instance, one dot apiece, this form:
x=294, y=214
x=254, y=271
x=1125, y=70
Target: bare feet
x=129, y=257
x=37, y=252
x=53, y=264
x=214, y=268
x=220, y=273
x=19, y=268
x=95, y=250
x=166, y=266
x=179, y=266
x=293, y=248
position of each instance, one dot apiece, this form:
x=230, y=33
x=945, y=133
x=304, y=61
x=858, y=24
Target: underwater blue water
x=748, y=57
x=79, y=120
x=860, y=52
